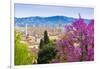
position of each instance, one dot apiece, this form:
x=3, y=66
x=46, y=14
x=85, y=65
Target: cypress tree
x=46, y=37
x=41, y=44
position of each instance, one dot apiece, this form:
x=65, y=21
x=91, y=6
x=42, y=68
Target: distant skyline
x=28, y=10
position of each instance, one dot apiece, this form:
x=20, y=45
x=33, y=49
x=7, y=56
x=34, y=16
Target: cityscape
x=42, y=36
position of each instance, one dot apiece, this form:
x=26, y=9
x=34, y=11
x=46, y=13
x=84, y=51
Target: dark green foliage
x=46, y=37
x=41, y=43
x=46, y=54
x=46, y=50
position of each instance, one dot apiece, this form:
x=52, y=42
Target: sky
x=28, y=10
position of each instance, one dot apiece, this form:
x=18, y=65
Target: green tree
x=46, y=54
x=22, y=55
x=41, y=44
x=46, y=37
x=46, y=50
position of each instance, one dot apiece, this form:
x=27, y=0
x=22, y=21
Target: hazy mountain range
x=41, y=21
